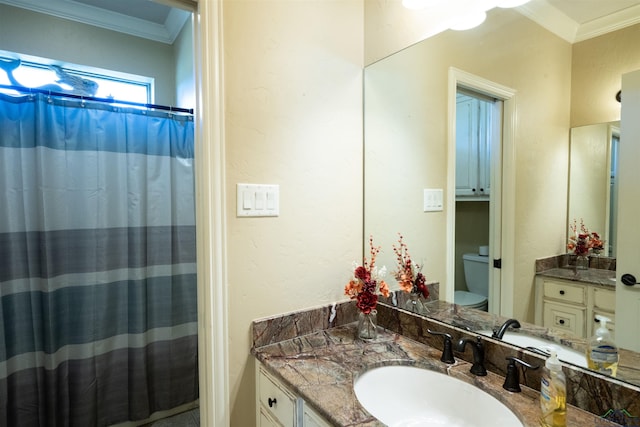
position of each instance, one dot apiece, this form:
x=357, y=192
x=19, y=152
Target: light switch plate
x=433, y=199
x=257, y=200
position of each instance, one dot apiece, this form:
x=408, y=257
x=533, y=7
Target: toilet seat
x=470, y=300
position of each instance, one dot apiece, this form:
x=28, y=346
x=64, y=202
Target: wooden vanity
x=568, y=300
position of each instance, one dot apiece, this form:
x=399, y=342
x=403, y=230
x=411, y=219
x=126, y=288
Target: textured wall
x=596, y=75
x=293, y=90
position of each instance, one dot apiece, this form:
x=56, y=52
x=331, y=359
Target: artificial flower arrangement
x=409, y=275
x=367, y=281
x=582, y=241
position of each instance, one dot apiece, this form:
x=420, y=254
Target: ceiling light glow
x=512, y=3
x=469, y=21
x=419, y=4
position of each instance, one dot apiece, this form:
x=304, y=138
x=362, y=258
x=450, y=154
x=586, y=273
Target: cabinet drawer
x=565, y=318
x=604, y=299
x=565, y=292
x=277, y=399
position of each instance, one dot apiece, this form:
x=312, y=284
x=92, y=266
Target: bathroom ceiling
x=142, y=18
x=573, y=20
x=577, y=20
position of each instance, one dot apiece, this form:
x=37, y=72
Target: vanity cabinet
x=571, y=306
x=473, y=154
x=604, y=303
x=278, y=406
x=311, y=418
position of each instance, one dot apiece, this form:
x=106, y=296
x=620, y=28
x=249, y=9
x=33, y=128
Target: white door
x=628, y=236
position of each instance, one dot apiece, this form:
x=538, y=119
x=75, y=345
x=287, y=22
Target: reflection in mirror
x=593, y=179
x=406, y=142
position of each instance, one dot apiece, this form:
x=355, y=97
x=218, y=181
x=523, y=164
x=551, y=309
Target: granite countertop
x=321, y=366
x=592, y=276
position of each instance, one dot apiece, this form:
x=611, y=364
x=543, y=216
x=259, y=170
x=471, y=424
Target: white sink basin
x=404, y=396
x=565, y=354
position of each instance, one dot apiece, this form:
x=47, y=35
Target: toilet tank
x=476, y=273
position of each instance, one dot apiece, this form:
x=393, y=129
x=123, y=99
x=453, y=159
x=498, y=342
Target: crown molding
x=550, y=18
x=566, y=28
x=109, y=20
x=615, y=21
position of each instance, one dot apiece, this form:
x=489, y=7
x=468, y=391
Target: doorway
x=492, y=203
x=478, y=135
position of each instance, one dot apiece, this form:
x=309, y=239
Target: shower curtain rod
x=92, y=98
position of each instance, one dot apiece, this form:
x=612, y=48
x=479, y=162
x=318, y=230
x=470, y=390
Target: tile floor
x=186, y=419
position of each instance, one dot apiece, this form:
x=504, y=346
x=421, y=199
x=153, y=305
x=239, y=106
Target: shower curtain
x=98, y=319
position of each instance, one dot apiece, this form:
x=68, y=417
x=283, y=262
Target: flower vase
x=367, y=325
x=415, y=305
x=582, y=262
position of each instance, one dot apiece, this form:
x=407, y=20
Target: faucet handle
x=447, y=350
x=512, y=380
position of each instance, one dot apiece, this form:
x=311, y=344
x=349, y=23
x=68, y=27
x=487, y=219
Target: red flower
x=362, y=274
x=366, y=302
x=421, y=285
x=367, y=282
x=409, y=278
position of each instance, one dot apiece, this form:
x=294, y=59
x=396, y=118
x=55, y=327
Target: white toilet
x=476, y=274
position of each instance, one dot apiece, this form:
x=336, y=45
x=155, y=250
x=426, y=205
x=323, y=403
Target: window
x=34, y=72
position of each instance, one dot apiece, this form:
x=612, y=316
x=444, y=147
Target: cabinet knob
x=473, y=189
x=272, y=402
x=482, y=190
x=561, y=292
x=561, y=321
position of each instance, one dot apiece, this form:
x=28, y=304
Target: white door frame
x=502, y=222
x=213, y=342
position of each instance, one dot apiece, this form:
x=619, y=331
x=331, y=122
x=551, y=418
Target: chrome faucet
x=478, y=354
x=499, y=332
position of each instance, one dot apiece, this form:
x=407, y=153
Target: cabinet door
x=466, y=146
x=312, y=419
x=565, y=318
x=265, y=419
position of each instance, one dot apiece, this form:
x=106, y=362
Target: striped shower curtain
x=98, y=319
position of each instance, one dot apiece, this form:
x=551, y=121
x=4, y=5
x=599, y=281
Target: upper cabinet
x=473, y=148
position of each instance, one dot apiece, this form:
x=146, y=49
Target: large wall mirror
x=593, y=179
x=407, y=141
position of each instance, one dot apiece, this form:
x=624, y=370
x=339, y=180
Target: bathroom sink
x=565, y=354
x=403, y=396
